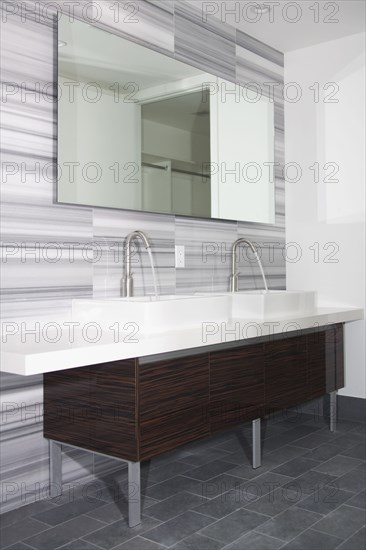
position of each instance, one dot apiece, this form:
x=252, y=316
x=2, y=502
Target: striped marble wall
x=44, y=245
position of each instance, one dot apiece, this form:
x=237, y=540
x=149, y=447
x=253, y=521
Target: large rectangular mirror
x=139, y=130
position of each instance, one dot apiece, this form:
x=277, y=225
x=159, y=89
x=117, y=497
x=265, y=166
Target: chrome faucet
x=234, y=277
x=127, y=280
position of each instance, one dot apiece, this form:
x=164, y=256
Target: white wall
x=174, y=143
x=106, y=131
x=242, y=142
x=334, y=212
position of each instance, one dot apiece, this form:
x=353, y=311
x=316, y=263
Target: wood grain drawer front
x=286, y=372
x=334, y=358
x=339, y=345
x=94, y=407
x=69, y=410
x=236, y=386
x=166, y=387
x=316, y=361
x=168, y=432
x=115, y=427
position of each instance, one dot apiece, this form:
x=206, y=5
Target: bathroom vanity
x=181, y=379
x=137, y=408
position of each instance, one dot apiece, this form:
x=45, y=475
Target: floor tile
x=288, y=437
x=21, y=530
x=20, y=514
x=350, y=439
x=358, y=500
x=358, y=451
x=226, y=503
x=79, y=544
x=296, y=466
x=178, y=528
x=72, y=493
x=310, y=482
x=166, y=489
x=202, y=445
x=167, y=471
x=60, y=514
x=324, y=452
x=349, y=426
x=255, y=541
x=139, y=543
x=313, y=440
x=325, y=500
x=356, y=542
x=115, y=511
x=115, y=477
x=360, y=428
x=118, y=532
x=343, y=522
x=62, y=534
x=111, y=493
x=167, y=458
x=19, y=546
x=338, y=465
x=289, y=523
x=272, y=430
x=175, y=505
x=265, y=483
x=210, y=470
x=314, y=540
x=238, y=445
x=220, y=485
x=281, y=455
x=246, y=471
x=198, y=542
x=353, y=481
x=200, y=459
x=234, y=525
x=275, y=502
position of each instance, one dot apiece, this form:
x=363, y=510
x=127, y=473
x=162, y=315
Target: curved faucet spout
x=234, y=274
x=127, y=281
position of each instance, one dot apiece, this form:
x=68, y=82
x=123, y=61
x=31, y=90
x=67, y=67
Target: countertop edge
x=29, y=362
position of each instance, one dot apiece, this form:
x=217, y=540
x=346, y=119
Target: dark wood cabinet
x=317, y=371
x=94, y=408
x=138, y=408
x=285, y=372
x=173, y=403
x=236, y=386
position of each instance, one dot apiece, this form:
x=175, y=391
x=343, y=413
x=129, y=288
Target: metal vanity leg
x=55, y=469
x=333, y=411
x=256, y=443
x=134, y=494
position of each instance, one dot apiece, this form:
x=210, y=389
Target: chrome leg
x=333, y=411
x=256, y=443
x=134, y=494
x=55, y=469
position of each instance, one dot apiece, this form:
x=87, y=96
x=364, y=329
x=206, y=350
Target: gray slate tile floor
x=308, y=495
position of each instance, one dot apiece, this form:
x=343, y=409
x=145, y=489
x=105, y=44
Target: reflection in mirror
x=139, y=130
x=176, y=155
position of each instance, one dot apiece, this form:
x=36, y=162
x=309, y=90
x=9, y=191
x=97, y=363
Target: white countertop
x=53, y=348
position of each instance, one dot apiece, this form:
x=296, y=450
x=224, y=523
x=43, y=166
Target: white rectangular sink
x=153, y=315
x=274, y=303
